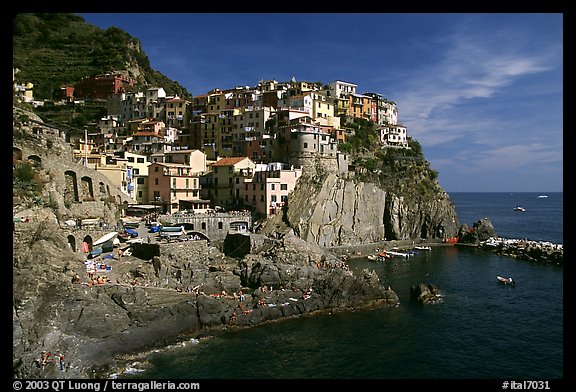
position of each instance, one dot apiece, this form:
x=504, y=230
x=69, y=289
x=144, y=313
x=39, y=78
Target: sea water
x=479, y=330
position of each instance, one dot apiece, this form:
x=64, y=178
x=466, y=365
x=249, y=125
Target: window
x=273, y=198
x=273, y=187
x=155, y=181
x=220, y=225
x=135, y=171
x=305, y=145
x=140, y=180
x=187, y=183
x=156, y=169
x=203, y=225
x=140, y=160
x=131, y=159
x=283, y=187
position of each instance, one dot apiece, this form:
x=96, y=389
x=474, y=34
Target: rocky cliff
x=343, y=211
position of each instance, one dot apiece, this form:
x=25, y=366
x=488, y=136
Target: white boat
x=166, y=229
x=506, y=281
x=423, y=248
x=172, y=231
x=399, y=254
x=105, y=238
x=521, y=209
x=542, y=196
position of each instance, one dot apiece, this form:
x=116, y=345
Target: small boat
x=427, y=248
x=399, y=254
x=521, y=209
x=172, y=231
x=95, y=252
x=105, y=238
x=506, y=281
x=542, y=196
x=131, y=232
x=171, y=228
x=382, y=256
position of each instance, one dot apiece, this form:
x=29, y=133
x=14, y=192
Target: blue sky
x=481, y=92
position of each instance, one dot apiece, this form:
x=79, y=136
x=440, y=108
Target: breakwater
x=535, y=251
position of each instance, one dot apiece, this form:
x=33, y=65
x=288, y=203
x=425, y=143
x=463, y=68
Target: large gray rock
x=425, y=293
x=345, y=212
x=480, y=231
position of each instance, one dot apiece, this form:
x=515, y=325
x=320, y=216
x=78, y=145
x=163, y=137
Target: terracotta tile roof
x=229, y=161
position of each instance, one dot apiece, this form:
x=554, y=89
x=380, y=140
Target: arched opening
x=72, y=242
x=197, y=236
x=87, y=190
x=70, y=187
x=87, y=244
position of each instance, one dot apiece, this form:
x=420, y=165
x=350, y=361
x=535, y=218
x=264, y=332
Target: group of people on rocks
x=93, y=279
x=46, y=358
x=326, y=265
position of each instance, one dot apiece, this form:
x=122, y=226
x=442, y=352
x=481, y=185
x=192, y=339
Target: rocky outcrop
x=340, y=211
x=425, y=293
x=480, y=231
x=188, y=288
x=535, y=251
x=483, y=235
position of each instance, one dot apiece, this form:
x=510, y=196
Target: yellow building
x=226, y=172
x=136, y=177
x=360, y=106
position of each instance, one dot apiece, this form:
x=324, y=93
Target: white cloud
x=470, y=69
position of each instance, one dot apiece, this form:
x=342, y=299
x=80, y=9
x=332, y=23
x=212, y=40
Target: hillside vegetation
x=53, y=50
x=397, y=170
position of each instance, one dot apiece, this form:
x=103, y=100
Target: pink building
x=268, y=190
x=176, y=187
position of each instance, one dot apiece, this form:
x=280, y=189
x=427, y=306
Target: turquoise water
x=480, y=329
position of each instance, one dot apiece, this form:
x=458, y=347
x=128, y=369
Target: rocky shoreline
x=182, y=291
x=523, y=249
x=191, y=288
x=482, y=235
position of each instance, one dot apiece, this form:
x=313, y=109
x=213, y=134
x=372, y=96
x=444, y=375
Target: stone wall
x=215, y=226
x=74, y=190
